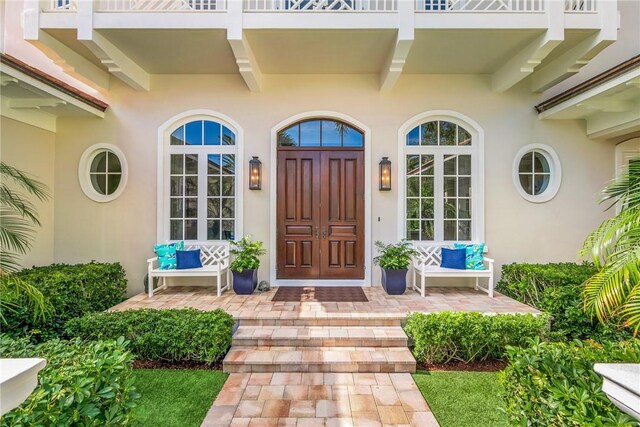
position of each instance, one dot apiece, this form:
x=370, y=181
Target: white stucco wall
x=516, y=230
x=32, y=150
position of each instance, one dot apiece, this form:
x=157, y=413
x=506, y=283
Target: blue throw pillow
x=167, y=254
x=453, y=258
x=475, y=255
x=188, y=259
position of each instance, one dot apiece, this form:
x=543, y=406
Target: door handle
x=317, y=232
x=324, y=232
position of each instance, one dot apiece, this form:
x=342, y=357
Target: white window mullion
x=202, y=196
x=438, y=193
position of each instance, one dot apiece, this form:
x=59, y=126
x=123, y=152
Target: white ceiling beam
x=393, y=66
x=526, y=60
x=522, y=64
x=68, y=60
x=34, y=117
x=247, y=63
x=117, y=63
x=570, y=62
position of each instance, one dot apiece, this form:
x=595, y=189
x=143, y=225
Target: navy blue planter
x=245, y=283
x=394, y=281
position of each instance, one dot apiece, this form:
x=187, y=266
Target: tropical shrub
x=557, y=289
x=394, y=256
x=554, y=384
x=614, y=291
x=247, y=254
x=467, y=337
x=87, y=384
x=170, y=335
x=71, y=291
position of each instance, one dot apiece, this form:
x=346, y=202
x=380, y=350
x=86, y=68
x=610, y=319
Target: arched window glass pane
x=310, y=133
x=332, y=133
x=212, y=133
x=289, y=137
x=352, y=138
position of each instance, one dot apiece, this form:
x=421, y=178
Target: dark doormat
x=324, y=294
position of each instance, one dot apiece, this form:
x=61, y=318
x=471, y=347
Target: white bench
x=215, y=262
x=426, y=263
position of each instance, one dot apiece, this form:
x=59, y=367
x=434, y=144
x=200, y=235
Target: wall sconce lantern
x=385, y=174
x=255, y=173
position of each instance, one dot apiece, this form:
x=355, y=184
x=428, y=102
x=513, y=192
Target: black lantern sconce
x=255, y=173
x=385, y=174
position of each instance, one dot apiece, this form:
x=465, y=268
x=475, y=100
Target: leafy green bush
x=466, y=337
x=247, y=254
x=88, y=384
x=554, y=384
x=72, y=291
x=171, y=335
x=394, y=256
x=557, y=290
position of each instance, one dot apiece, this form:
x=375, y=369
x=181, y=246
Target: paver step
x=320, y=336
x=319, y=359
x=299, y=320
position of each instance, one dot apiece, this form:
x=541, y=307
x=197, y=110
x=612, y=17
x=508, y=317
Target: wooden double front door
x=320, y=217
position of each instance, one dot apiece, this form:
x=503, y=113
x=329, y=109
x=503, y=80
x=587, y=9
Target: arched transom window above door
x=441, y=181
x=321, y=133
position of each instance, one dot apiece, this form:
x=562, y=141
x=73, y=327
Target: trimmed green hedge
x=467, y=337
x=554, y=384
x=73, y=291
x=557, y=289
x=171, y=335
x=88, y=384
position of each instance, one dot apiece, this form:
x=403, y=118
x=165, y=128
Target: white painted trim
x=555, y=169
x=164, y=132
x=84, y=167
x=273, y=190
x=477, y=167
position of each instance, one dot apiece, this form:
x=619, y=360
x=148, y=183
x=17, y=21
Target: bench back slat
x=211, y=253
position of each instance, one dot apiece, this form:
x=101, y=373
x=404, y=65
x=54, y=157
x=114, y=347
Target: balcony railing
x=480, y=5
x=571, y=6
x=160, y=5
x=62, y=5
x=578, y=6
x=320, y=5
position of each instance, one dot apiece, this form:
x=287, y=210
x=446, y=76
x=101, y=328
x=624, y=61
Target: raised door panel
x=298, y=202
x=342, y=215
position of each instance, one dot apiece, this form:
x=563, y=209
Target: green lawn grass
x=175, y=397
x=461, y=399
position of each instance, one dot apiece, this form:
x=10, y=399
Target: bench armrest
x=489, y=261
x=150, y=261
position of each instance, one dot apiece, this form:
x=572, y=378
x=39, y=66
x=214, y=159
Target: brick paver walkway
x=320, y=399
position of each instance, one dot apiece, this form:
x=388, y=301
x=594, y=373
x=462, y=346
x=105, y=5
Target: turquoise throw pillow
x=167, y=254
x=474, y=255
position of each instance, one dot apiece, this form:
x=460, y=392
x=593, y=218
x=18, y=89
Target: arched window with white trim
x=201, y=194
x=441, y=180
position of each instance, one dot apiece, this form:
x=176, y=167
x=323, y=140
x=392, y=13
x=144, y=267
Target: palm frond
x=11, y=199
x=15, y=293
x=31, y=185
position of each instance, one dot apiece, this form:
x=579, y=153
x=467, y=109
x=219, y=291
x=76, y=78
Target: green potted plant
x=244, y=266
x=394, y=260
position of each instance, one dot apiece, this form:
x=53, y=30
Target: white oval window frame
x=84, y=175
x=555, y=169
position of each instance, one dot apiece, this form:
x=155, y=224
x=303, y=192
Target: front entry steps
x=313, y=348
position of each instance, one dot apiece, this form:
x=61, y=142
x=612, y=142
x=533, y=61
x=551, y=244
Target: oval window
x=537, y=173
x=102, y=172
